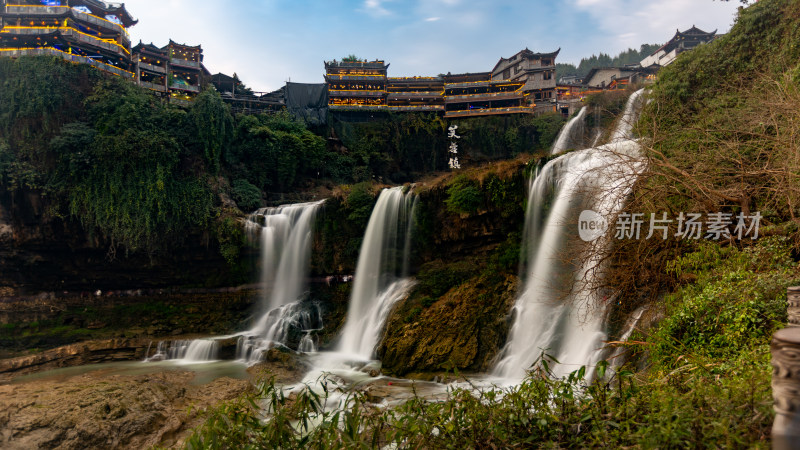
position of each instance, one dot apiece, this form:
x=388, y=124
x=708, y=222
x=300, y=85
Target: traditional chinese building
x=536, y=70
x=415, y=93
x=681, y=42
x=475, y=94
x=618, y=77
x=84, y=31
x=175, y=69
x=356, y=85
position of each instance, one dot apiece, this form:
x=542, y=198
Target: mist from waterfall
x=560, y=312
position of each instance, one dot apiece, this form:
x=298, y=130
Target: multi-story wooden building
x=356, y=85
x=476, y=94
x=536, y=70
x=175, y=69
x=524, y=83
x=84, y=31
x=415, y=93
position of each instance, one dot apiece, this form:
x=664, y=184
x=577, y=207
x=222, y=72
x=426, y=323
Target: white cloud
x=432, y=19
x=375, y=8
x=626, y=24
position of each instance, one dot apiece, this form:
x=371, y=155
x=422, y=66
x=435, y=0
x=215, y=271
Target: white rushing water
x=571, y=136
x=381, y=272
x=284, y=234
x=559, y=311
x=187, y=351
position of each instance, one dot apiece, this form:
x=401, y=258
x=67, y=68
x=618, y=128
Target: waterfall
x=188, y=351
x=381, y=272
x=571, y=136
x=560, y=312
x=285, y=235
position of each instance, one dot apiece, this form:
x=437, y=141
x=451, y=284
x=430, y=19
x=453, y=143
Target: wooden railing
x=185, y=63
x=66, y=56
x=51, y=10
x=152, y=68
x=184, y=87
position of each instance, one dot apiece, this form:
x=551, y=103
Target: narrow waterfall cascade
x=381, y=277
x=560, y=312
x=617, y=357
x=187, y=351
x=571, y=136
x=284, y=234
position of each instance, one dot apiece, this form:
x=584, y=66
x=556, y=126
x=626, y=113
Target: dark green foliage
x=737, y=302
x=464, y=196
x=123, y=177
x=359, y=204
x=212, y=126
x=437, y=277
x=499, y=137
x=688, y=409
x=275, y=153
x=231, y=240
x=38, y=95
x=400, y=147
x=246, y=195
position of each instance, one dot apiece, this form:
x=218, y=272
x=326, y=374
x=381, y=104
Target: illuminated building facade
x=524, y=83
x=476, y=94
x=356, y=85
x=415, y=93
x=84, y=31
x=175, y=70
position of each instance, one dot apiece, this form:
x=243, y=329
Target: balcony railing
x=416, y=94
x=478, y=97
x=184, y=87
x=36, y=10
x=355, y=93
x=356, y=77
x=185, y=63
x=152, y=68
x=68, y=57
x=153, y=86
x=71, y=33
x=490, y=111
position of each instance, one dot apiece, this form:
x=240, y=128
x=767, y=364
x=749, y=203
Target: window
x=548, y=75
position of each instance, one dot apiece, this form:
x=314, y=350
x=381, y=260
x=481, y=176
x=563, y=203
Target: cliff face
x=466, y=259
x=51, y=254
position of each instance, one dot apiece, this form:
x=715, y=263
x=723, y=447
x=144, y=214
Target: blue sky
x=269, y=42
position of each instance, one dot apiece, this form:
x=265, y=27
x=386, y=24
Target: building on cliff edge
x=522, y=84
x=94, y=32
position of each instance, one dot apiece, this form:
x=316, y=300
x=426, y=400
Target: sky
x=270, y=42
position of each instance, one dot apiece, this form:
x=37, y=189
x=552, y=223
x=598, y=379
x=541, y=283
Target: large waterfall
x=381, y=272
x=571, y=136
x=284, y=234
x=560, y=312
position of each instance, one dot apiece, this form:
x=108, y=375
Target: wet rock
x=74, y=355
x=464, y=329
x=93, y=411
x=283, y=366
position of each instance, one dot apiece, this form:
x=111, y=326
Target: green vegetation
x=687, y=397
x=404, y=147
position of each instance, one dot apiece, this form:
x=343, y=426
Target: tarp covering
x=308, y=102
